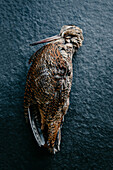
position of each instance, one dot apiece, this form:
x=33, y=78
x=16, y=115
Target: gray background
x=87, y=134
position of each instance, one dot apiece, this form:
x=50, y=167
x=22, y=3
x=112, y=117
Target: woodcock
x=48, y=85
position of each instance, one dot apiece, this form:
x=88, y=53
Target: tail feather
x=36, y=131
x=42, y=137
x=58, y=140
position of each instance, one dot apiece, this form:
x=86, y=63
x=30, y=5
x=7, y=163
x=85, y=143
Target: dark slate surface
x=87, y=134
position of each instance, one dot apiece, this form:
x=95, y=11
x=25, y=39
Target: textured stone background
x=87, y=134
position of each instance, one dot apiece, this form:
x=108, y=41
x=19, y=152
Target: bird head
x=70, y=39
x=72, y=34
x=68, y=34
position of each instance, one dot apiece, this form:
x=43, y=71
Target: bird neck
x=66, y=49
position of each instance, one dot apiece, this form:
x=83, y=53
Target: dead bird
x=48, y=85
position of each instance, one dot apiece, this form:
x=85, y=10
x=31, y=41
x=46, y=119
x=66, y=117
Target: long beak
x=46, y=40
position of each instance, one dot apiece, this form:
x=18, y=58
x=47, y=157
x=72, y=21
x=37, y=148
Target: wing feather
x=48, y=85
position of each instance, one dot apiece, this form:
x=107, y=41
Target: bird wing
x=48, y=86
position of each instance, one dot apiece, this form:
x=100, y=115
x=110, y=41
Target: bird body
x=48, y=85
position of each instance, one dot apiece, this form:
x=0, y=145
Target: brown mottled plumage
x=48, y=85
